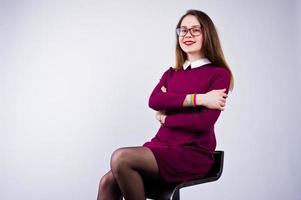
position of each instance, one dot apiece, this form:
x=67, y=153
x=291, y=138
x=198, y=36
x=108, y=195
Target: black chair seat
x=162, y=191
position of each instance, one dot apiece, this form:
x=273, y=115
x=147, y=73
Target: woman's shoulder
x=216, y=69
x=167, y=72
x=173, y=69
x=170, y=70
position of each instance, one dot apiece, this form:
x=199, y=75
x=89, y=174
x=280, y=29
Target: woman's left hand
x=160, y=116
x=163, y=89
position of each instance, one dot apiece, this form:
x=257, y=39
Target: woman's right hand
x=215, y=99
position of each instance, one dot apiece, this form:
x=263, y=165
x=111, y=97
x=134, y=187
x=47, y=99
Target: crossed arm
x=215, y=99
x=212, y=103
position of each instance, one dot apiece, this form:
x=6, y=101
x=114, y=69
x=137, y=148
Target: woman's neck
x=195, y=56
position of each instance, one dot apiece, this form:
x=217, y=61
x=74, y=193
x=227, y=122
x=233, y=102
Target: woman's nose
x=188, y=35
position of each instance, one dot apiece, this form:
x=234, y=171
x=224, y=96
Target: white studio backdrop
x=75, y=77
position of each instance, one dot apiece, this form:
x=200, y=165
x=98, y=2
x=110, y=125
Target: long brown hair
x=211, y=44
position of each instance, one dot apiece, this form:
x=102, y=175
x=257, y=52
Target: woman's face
x=191, y=36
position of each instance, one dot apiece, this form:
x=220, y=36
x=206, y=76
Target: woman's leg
x=108, y=188
x=128, y=165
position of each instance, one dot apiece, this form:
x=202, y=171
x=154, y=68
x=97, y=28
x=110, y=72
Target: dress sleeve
x=204, y=118
x=159, y=100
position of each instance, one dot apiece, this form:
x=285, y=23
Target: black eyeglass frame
x=178, y=31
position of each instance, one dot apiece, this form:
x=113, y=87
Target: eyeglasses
x=194, y=31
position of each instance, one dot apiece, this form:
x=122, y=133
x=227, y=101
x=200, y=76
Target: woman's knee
x=106, y=182
x=120, y=160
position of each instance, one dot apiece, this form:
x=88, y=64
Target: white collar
x=196, y=63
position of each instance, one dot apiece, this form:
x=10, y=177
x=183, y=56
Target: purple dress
x=184, y=145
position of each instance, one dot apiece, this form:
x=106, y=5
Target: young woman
x=188, y=100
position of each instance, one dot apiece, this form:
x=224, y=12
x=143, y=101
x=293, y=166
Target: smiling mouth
x=189, y=42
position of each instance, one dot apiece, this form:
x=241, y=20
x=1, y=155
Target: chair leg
x=176, y=195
